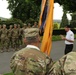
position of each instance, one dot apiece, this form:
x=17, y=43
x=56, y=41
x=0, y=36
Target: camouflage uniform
x=4, y=38
x=29, y=25
x=15, y=38
x=30, y=61
x=23, y=28
x=10, y=32
x=19, y=35
x=35, y=25
x=0, y=34
x=65, y=66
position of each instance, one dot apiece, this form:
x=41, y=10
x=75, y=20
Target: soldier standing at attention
x=30, y=60
x=35, y=25
x=10, y=32
x=19, y=35
x=4, y=38
x=23, y=28
x=15, y=37
x=29, y=25
x=0, y=33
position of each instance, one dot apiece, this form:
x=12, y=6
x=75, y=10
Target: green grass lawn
x=9, y=74
x=56, y=38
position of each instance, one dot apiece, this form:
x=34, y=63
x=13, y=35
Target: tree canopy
x=73, y=21
x=64, y=21
x=26, y=9
x=68, y=5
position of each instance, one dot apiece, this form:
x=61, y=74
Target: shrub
x=73, y=21
x=56, y=25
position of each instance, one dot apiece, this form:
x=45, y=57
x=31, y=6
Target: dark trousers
x=68, y=48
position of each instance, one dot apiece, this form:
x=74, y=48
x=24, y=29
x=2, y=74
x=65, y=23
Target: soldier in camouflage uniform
x=10, y=32
x=35, y=25
x=4, y=38
x=0, y=33
x=30, y=60
x=23, y=28
x=29, y=25
x=65, y=66
x=19, y=35
x=15, y=37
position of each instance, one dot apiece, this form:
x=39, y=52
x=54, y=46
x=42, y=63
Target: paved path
x=58, y=49
x=56, y=53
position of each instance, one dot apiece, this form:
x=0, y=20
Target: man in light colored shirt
x=69, y=39
x=30, y=60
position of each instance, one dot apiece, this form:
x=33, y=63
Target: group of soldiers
x=11, y=39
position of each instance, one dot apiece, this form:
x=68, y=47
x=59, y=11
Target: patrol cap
x=31, y=32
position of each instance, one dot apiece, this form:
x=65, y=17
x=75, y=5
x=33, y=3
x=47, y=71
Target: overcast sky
x=4, y=12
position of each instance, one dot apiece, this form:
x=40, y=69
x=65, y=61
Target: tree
x=68, y=5
x=24, y=9
x=64, y=21
x=73, y=21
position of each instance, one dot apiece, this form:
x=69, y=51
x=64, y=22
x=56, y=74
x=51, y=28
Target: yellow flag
x=42, y=9
x=47, y=24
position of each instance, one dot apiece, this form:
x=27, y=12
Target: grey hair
x=32, y=39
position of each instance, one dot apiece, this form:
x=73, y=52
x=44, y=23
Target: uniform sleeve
x=72, y=36
x=12, y=62
x=55, y=69
x=17, y=64
x=58, y=67
x=49, y=63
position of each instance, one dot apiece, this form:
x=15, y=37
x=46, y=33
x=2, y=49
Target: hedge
x=61, y=31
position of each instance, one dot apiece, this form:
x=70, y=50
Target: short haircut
x=68, y=26
x=32, y=39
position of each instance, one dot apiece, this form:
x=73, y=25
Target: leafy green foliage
x=73, y=21
x=56, y=25
x=27, y=10
x=64, y=21
x=24, y=9
x=56, y=38
x=68, y=5
x=9, y=73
